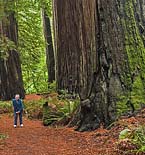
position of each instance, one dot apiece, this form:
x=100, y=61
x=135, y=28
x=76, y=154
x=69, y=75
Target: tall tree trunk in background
x=49, y=47
x=97, y=45
x=10, y=68
x=75, y=44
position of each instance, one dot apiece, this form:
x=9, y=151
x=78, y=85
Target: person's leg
x=20, y=117
x=15, y=119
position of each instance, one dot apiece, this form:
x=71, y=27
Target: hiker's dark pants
x=16, y=118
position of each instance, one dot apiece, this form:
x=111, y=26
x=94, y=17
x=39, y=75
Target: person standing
x=18, y=110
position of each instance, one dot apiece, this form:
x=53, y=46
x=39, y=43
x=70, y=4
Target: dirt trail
x=35, y=139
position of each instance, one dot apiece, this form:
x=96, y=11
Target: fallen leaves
x=35, y=139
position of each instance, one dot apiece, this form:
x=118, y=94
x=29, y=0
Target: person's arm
x=14, y=105
x=22, y=106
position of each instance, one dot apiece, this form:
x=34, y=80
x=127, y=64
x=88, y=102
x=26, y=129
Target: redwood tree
x=49, y=46
x=75, y=44
x=95, y=49
x=10, y=66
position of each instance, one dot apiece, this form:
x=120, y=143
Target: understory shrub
x=132, y=141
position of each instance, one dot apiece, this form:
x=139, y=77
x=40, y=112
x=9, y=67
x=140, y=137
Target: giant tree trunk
x=49, y=47
x=96, y=32
x=100, y=106
x=75, y=44
x=10, y=68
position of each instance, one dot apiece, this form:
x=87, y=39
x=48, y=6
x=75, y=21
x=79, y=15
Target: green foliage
x=69, y=107
x=59, y=110
x=47, y=5
x=5, y=107
x=50, y=116
x=52, y=87
x=5, y=46
x=33, y=109
x=6, y=7
x=124, y=133
x=1, y=10
x=32, y=46
x=31, y=42
x=135, y=136
x=34, y=104
x=3, y=136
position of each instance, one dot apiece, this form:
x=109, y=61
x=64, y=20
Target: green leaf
x=124, y=133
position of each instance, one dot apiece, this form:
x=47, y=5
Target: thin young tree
x=50, y=60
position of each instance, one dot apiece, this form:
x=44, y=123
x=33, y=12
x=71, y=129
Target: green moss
x=121, y=105
x=134, y=47
x=133, y=41
x=137, y=93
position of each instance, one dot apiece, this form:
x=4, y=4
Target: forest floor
x=35, y=139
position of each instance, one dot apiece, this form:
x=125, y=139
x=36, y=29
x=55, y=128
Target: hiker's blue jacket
x=18, y=105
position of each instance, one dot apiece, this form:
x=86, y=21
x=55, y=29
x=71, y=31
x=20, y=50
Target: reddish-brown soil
x=35, y=139
x=32, y=97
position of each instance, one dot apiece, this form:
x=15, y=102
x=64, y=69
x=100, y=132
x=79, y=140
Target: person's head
x=17, y=96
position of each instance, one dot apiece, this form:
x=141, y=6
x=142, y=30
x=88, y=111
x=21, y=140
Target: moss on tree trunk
x=100, y=44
